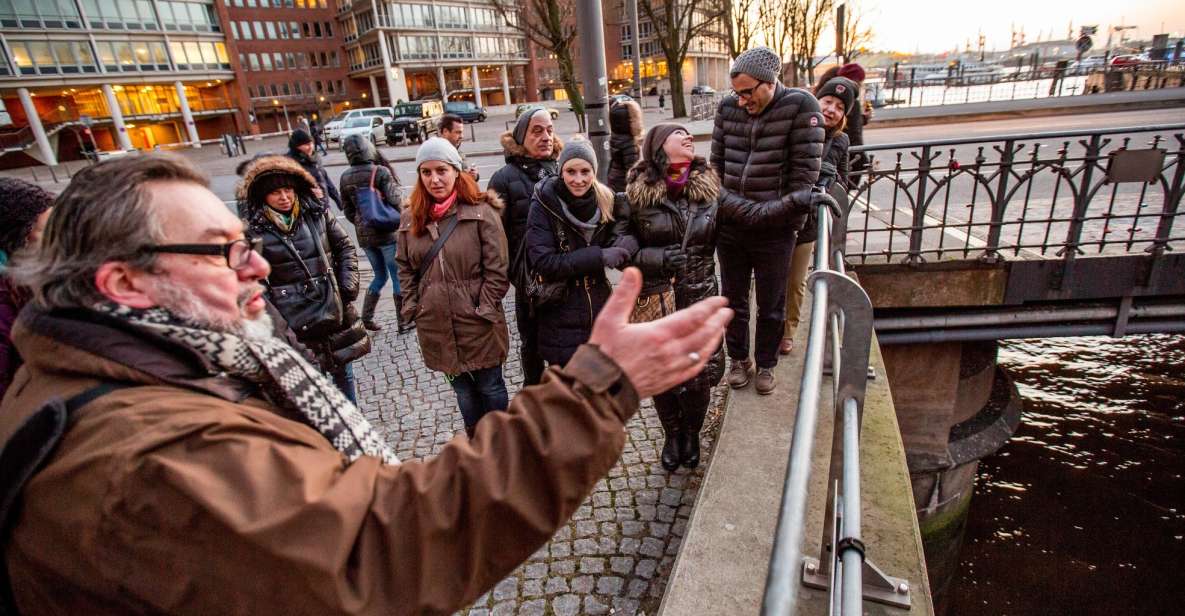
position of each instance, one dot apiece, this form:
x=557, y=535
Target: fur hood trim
x=636, y=127
x=646, y=187
x=269, y=164
x=510, y=148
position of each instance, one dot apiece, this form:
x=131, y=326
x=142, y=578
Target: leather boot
x=666, y=406
x=369, y=302
x=695, y=407
x=400, y=324
x=670, y=450
x=689, y=449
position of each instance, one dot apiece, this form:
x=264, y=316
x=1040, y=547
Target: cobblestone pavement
x=616, y=553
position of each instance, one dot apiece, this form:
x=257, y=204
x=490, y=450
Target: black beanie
x=20, y=205
x=299, y=137
x=655, y=137
x=842, y=88
x=270, y=181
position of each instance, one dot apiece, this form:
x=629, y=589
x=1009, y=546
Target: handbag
x=373, y=210
x=312, y=307
x=542, y=293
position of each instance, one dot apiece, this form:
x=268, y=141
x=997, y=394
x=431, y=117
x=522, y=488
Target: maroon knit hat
x=852, y=71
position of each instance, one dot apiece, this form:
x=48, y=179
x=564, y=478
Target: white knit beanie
x=440, y=149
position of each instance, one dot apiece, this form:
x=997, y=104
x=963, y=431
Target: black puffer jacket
x=312, y=165
x=566, y=326
x=313, y=226
x=769, y=155
x=625, y=124
x=835, y=151
x=656, y=222
x=361, y=155
x=515, y=184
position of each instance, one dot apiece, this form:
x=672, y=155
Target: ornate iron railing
x=1045, y=195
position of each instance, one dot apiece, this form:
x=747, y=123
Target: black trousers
x=682, y=410
x=528, y=333
x=768, y=263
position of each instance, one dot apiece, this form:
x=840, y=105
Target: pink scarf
x=676, y=178
x=442, y=208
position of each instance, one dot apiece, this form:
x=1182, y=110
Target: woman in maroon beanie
x=24, y=208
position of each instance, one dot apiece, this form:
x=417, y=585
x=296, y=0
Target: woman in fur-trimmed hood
x=309, y=253
x=625, y=124
x=676, y=205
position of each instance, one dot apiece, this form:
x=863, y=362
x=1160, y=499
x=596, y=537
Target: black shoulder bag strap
x=435, y=249
x=22, y=456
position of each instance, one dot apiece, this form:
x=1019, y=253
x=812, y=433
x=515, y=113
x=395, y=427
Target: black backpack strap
x=23, y=455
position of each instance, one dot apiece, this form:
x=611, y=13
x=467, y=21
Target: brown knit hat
x=652, y=150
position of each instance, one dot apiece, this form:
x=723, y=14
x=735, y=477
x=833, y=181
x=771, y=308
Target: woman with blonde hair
x=574, y=231
x=452, y=269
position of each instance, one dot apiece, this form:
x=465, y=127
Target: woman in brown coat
x=453, y=288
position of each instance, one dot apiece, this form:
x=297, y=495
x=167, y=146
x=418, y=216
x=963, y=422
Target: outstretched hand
x=658, y=355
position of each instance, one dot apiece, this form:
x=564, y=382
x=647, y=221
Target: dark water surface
x=1083, y=512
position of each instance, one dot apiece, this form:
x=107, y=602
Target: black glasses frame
x=748, y=92
x=254, y=244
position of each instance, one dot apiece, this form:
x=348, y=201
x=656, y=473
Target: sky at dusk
x=938, y=25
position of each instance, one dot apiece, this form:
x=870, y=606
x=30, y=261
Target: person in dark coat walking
x=301, y=149
x=766, y=144
x=859, y=114
x=836, y=96
x=677, y=209
x=317, y=131
x=625, y=126
x=24, y=210
x=531, y=149
x=574, y=232
x=305, y=245
x=377, y=245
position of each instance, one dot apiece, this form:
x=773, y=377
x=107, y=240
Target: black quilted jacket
x=766, y=156
x=360, y=154
x=514, y=185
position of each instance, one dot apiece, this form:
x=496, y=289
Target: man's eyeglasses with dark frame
x=747, y=93
x=237, y=252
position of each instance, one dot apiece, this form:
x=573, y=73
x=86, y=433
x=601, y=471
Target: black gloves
x=674, y=259
x=614, y=257
x=812, y=198
x=827, y=172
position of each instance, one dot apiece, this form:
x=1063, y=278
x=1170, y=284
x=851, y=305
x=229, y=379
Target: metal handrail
x=842, y=314
x=1087, y=132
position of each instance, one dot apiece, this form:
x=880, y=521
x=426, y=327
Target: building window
x=59, y=57
x=265, y=61
x=271, y=30
x=258, y=30
x=44, y=14
x=254, y=59
x=294, y=29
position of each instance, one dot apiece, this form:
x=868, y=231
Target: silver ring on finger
x=694, y=357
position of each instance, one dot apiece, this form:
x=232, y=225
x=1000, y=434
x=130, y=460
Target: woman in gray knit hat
x=452, y=269
x=574, y=232
x=676, y=208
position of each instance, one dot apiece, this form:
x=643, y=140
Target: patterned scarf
x=293, y=382
x=283, y=221
x=676, y=178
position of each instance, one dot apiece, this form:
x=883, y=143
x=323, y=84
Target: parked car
x=702, y=90
x=414, y=122
x=1127, y=60
x=468, y=111
x=371, y=127
x=518, y=111
x=621, y=98
x=333, y=127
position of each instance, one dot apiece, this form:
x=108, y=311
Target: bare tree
x=856, y=35
x=676, y=23
x=740, y=26
x=776, y=20
x=549, y=24
x=812, y=16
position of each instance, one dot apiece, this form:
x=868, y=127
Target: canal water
x=1083, y=511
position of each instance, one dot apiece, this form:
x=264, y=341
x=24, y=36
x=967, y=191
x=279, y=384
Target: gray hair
x=105, y=214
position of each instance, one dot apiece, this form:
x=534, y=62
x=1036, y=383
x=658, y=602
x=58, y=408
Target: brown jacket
x=457, y=306
x=190, y=494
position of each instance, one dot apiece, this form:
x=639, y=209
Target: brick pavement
x=616, y=553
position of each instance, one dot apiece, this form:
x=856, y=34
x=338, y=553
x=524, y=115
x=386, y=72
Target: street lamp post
x=596, y=83
x=633, y=15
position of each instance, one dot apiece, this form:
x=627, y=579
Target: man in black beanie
x=531, y=150
x=302, y=150
x=767, y=143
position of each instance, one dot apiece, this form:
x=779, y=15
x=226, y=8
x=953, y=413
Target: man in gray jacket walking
x=767, y=143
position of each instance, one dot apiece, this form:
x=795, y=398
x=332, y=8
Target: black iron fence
x=1044, y=195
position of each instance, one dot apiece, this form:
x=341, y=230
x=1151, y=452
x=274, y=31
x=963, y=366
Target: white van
x=333, y=128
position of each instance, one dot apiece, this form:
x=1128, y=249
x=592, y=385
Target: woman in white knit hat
x=452, y=269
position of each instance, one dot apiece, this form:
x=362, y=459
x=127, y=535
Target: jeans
x=528, y=335
x=769, y=264
x=479, y=392
x=382, y=261
x=344, y=379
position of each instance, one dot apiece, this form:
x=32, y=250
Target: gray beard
x=184, y=303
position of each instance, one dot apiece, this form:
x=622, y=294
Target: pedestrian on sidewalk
x=452, y=128
x=314, y=268
x=531, y=150
x=378, y=245
x=677, y=209
x=766, y=144
x=625, y=126
x=213, y=470
x=574, y=231
x=318, y=133
x=300, y=149
x=24, y=210
x=836, y=98
x=662, y=100
x=452, y=268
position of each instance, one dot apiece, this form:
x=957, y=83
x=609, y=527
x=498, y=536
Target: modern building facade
x=455, y=50
x=706, y=63
x=111, y=74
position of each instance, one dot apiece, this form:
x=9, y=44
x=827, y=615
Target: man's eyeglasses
x=236, y=253
x=748, y=92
